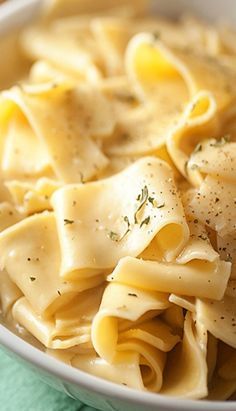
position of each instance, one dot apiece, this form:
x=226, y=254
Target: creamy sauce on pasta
x=118, y=198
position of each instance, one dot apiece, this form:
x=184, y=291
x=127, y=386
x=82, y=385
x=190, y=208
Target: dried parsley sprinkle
x=113, y=236
x=145, y=221
x=32, y=278
x=151, y=200
x=161, y=205
x=67, y=221
x=132, y=295
x=58, y=292
x=142, y=198
x=126, y=220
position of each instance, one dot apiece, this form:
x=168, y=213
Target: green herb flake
x=151, y=200
x=132, y=295
x=161, y=205
x=126, y=220
x=32, y=279
x=114, y=236
x=67, y=221
x=142, y=198
x=146, y=221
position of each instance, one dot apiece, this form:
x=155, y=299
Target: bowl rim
x=100, y=386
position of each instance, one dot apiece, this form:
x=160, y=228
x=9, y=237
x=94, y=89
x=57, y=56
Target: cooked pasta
x=118, y=196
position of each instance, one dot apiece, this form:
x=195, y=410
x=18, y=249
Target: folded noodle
x=72, y=55
x=63, y=113
x=9, y=293
x=32, y=197
x=149, y=61
x=117, y=196
x=200, y=278
x=123, y=302
x=219, y=316
x=147, y=206
x=125, y=369
x=198, y=119
x=214, y=205
x=30, y=253
x=222, y=385
x=68, y=327
x=186, y=370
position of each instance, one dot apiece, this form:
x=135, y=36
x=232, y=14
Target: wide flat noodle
x=143, y=130
x=30, y=253
x=147, y=206
x=199, y=246
x=32, y=197
x=121, y=302
x=68, y=327
x=226, y=246
x=125, y=370
x=208, y=279
x=198, y=119
x=214, y=205
x=9, y=215
x=24, y=155
x=216, y=158
x=219, y=317
x=186, y=371
x=118, y=264
x=9, y=293
x=148, y=62
x=222, y=385
x=71, y=54
x=64, y=113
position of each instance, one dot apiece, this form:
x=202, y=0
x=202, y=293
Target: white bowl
x=98, y=393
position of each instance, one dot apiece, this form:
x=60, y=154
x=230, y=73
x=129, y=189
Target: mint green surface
x=22, y=390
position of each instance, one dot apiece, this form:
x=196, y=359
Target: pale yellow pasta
x=65, y=328
x=119, y=302
x=117, y=195
x=126, y=229
x=207, y=279
x=76, y=147
x=186, y=374
x=30, y=253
